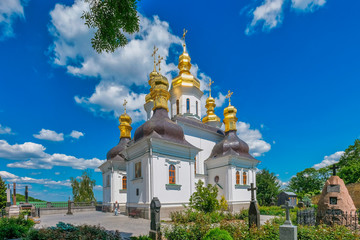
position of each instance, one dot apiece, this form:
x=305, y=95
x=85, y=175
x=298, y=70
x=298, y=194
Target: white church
x=175, y=148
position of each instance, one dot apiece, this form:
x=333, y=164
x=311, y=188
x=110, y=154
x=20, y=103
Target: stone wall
x=354, y=191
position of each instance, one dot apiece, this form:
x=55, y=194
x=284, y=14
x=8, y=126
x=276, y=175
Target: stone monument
x=14, y=210
x=287, y=230
x=69, y=208
x=155, y=206
x=335, y=203
x=26, y=194
x=254, y=214
x=8, y=196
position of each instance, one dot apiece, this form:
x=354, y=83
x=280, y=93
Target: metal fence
x=330, y=217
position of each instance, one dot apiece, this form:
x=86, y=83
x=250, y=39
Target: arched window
x=237, y=178
x=171, y=174
x=187, y=105
x=197, y=109
x=124, y=184
x=177, y=107
x=108, y=181
x=244, y=178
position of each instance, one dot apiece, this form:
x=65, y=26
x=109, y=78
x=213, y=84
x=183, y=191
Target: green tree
x=82, y=188
x=309, y=181
x=205, y=198
x=350, y=164
x=267, y=187
x=2, y=193
x=111, y=18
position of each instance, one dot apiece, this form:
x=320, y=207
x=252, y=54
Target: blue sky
x=293, y=66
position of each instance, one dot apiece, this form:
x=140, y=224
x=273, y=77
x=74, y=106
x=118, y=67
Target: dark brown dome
x=113, y=154
x=160, y=126
x=231, y=144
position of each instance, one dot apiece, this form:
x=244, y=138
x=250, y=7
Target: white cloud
x=253, y=138
x=124, y=73
x=57, y=173
x=16, y=179
x=270, y=13
x=307, y=5
x=33, y=156
x=76, y=134
x=9, y=11
x=50, y=135
x=329, y=160
x=5, y=130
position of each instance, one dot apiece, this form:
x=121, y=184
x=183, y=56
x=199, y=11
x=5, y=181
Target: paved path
x=127, y=226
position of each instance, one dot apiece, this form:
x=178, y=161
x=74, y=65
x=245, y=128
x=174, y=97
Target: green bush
x=275, y=210
x=205, y=198
x=187, y=216
x=14, y=227
x=217, y=234
x=141, y=237
x=325, y=232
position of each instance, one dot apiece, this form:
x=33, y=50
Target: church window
x=124, y=183
x=171, y=174
x=244, y=178
x=177, y=107
x=187, y=105
x=138, y=170
x=237, y=178
x=197, y=110
x=108, y=181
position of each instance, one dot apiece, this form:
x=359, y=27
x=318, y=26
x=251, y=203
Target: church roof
x=231, y=145
x=197, y=123
x=113, y=154
x=160, y=126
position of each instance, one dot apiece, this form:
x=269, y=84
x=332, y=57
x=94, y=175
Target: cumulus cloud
x=33, y=156
x=122, y=74
x=46, y=134
x=253, y=138
x=270, y=13
x=329, y=160
x=5, y=130
x=9, y=11
x=16, y=179
x=76, y=134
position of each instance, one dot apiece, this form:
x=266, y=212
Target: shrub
x=223, y=205
x=14, y=227
x=217, y=234
x=205, y=198
x=141, y=237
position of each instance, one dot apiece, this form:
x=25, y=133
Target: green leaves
x=2, y=193
x=268, y=187
x=112, y=18
x=83, y=188
x=205, y=198
x=350, y=164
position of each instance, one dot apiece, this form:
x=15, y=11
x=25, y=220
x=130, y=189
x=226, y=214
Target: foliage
x=309, y=181
x=205, y=198
x=182, y=217
x=21, y=198
x=217, y=234
x=350, y=164
x=69, y=231
x=112, y=18
x=14, y=227
x=325, y=232
x=223, y=205
x=141, y=237
x=2, y=193
x=83, y=188
x=268, y=187
x=274, y=210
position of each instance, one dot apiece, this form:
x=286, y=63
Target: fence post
x=48, y=204
x=69, y=208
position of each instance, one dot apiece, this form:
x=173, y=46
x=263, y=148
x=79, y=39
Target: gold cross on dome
x=210, y=83
x=159, y=62
x=125, y=102
x=184, y=34
x=154, y=55
x=229, y=96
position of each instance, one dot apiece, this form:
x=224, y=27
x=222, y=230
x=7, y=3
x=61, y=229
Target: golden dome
x=210, y=106
x=160, y=93
x=151, y=76
x=185, y=78
x=125, y=124
x=230, y=118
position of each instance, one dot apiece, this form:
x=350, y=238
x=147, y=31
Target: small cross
x=210, y=83
x=154, y=55
x=159, y=62
x=184, y=34
x=334, y=167
x=252, y=189
x=125, y=102
x=229, y=96
x=287, y=207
